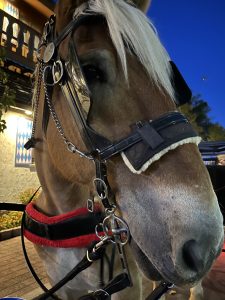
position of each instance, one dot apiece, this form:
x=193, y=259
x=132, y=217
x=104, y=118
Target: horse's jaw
x=144, y=264
x=148, y=269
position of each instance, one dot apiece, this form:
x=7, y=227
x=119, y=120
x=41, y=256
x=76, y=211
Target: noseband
x=148, y=141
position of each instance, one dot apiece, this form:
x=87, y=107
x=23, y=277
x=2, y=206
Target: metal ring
x=71, y=147
x=96, y=180
x=46, y=74
x=88, y=258
x=122, y=228
x=99, y=293
x=97, y=231
x=57, y=71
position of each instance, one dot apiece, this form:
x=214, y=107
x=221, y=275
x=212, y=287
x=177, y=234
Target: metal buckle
x=73, y=149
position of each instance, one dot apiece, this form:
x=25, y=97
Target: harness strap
x=12, y=206
x=82, y=265
x=119, y=283
x=152, y=134
x=160, y=291
x=102, y=185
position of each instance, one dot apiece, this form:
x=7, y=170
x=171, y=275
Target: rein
x=157, y=136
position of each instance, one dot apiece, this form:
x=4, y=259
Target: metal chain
x=37, y=96
x=70, y=146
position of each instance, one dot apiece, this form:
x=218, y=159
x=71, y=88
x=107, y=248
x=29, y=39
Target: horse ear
x=142, y=4
x=64, y=11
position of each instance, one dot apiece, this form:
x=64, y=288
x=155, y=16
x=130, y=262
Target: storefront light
x=22, y=110
x=28, y=112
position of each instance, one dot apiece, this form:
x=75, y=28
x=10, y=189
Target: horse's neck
x=60, y=195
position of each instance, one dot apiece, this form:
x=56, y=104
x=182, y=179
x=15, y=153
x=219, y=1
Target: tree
x=8, y=97
x=216, y=132
x=197, y=113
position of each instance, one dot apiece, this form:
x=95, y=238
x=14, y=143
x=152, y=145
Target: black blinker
x=183, y=92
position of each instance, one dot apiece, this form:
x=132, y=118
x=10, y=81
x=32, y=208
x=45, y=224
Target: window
x=11, y=10
x=14, y=12
x=23, y=157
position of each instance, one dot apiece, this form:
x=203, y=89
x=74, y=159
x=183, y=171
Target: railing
x=19, y=40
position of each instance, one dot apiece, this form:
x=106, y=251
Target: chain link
x=70, y=146
x=37, y=90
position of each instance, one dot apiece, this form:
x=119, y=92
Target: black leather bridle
x=152, y=134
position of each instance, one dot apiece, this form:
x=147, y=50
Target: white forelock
x=129, y=27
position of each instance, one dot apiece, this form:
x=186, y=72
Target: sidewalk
x=15, y=278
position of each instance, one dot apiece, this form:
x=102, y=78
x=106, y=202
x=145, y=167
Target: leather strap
x=12, y=206
x=159, y=291
x=119, y=283
x=149, y=132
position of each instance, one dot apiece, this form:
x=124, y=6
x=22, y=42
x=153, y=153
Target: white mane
x=129, y=26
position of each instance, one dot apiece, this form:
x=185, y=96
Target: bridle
x=53, y=70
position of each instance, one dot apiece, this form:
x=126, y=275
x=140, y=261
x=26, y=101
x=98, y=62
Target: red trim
x=38, y=216
x=77, y=242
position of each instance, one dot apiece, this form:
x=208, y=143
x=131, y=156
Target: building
x=21, y=24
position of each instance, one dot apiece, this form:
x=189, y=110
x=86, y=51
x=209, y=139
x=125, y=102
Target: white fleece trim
x=193, y=140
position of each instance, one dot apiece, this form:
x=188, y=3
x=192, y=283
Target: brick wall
x=13, y=180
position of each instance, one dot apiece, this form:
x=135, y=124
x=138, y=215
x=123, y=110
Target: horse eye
x=93, y=74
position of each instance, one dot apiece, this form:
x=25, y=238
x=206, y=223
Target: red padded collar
x=38, y=226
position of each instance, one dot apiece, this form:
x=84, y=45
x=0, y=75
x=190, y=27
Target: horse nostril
x=192, y=256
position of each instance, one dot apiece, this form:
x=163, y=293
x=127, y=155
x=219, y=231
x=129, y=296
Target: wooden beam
x=44, y=10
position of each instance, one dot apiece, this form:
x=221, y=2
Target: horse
x=122, y=148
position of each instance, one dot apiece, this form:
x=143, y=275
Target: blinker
x=183, y=93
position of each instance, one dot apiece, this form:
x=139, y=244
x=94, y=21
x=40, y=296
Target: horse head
x=166, y=198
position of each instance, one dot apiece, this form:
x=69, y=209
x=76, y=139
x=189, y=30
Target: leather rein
x=52, y=70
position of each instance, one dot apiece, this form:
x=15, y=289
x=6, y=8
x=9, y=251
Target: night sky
x=193, y=32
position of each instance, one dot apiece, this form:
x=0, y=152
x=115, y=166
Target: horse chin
x=149, y=270
x=144, y=263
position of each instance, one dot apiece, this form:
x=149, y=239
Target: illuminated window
x=11, y=10
x=14, y=12
x=23, y=157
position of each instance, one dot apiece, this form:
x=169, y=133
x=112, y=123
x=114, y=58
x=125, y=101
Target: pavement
x=16, y=280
